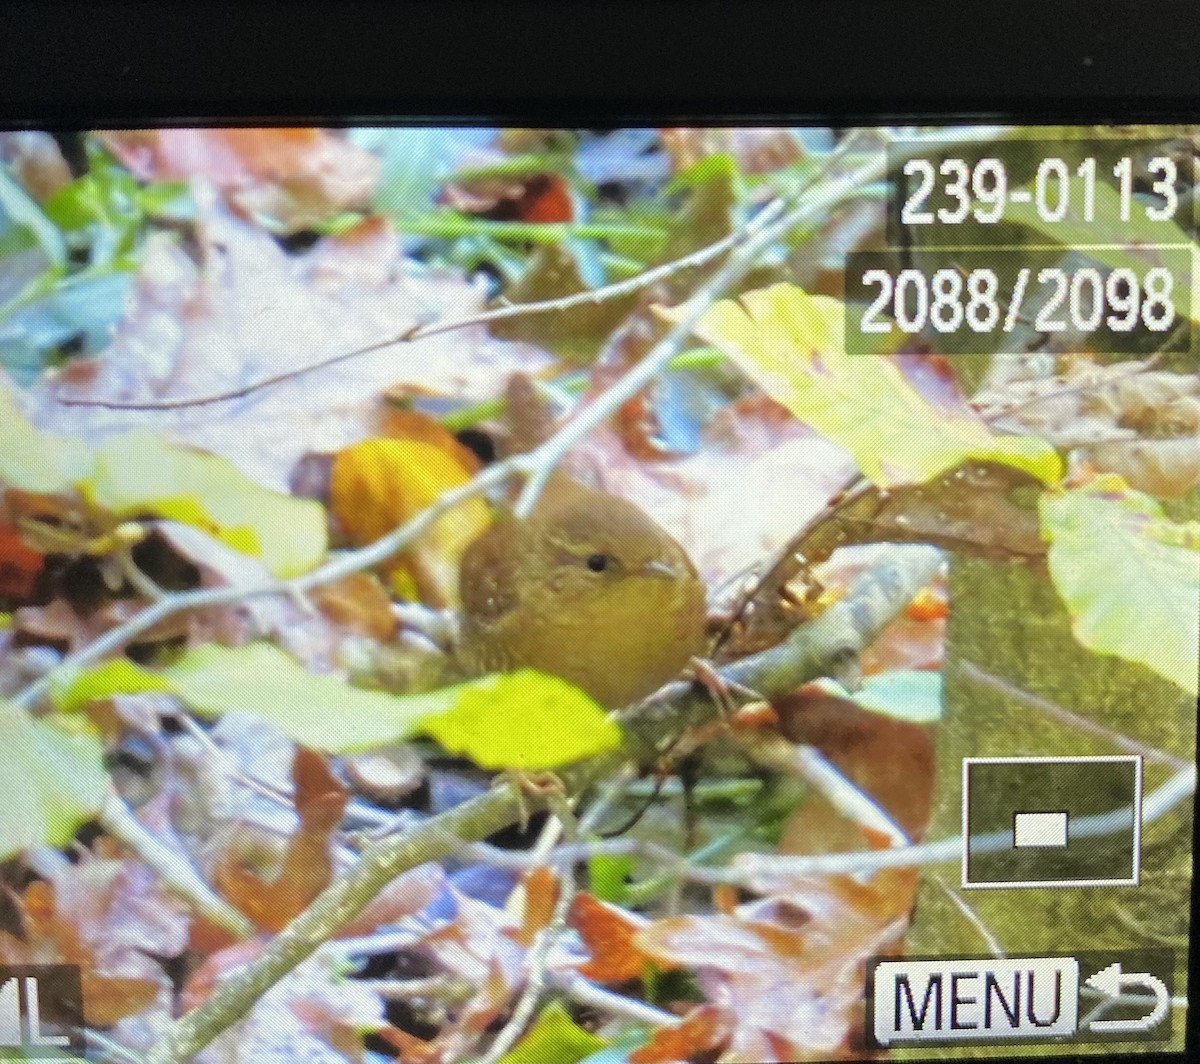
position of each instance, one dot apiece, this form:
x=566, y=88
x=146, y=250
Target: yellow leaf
x=138, y=473
x=380, y=484
x=792, y=345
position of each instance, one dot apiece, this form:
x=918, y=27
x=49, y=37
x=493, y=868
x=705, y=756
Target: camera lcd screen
x=505, y=595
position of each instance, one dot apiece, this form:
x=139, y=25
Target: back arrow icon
x=1111, y=981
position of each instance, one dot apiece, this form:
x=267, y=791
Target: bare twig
x=175, y=870
x=110, y=1047
x=424, y=331
x=1080, y=723
x=582, y=990
x=807, y=762
x=538, y=954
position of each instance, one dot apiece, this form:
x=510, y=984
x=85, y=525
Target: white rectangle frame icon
x=1135, y=759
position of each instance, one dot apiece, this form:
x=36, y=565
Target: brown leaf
x=706, y=1029
x=289, y=178
x=307, y=865
x=610, y=934
x=889, y=759
x=542, y=888
x=788, y=968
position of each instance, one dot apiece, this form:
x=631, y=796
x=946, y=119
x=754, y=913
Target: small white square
x=1039, y=829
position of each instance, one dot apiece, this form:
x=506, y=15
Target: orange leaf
x=706, y=1028
x=320, y=796
x=930, y=604
x=609, y=933
x=358, y=603
x=542, y=888
x=307, y=866
x=379, y=484
x=20, y=565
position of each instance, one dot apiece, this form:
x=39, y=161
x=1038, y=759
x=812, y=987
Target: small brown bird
x=588, y=588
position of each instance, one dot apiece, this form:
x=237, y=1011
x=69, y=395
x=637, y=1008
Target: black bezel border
x=596, y=62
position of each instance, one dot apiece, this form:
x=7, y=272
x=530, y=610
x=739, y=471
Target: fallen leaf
x=706, y=1029
x=791, y=345
x=307, y=865
x=610, y=934
x=542, y=888
x=286, y=179
x=379, y=484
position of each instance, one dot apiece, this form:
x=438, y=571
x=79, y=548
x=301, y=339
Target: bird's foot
x=543, y=788
x=724, y=692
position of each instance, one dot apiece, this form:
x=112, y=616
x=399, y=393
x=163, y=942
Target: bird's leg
x=705, y=673
x=545, y=788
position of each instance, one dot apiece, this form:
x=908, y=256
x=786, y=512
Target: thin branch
x=175, y=870
x=585, y=992
x=342, y=565
x=764, y=872
x=422, y=332
x=538, y=955
x=807, y=762
x=1065, y=716
x=340, y=902
x=110, y=1047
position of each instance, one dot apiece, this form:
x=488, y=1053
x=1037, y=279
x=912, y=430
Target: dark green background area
x=997, y=790
x=1007, y=619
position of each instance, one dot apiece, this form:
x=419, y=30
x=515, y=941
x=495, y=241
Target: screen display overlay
x=641, y=595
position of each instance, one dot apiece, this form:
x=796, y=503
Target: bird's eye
x=598, y=562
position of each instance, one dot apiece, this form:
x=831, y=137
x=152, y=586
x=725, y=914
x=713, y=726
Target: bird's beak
x=657, y=567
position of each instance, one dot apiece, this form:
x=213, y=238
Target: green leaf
x=21, y=209
x=792, y=345
x=554, y=1038
x=608, y=876
x=120, y=676
x=138, y=473
x=526, y=720
x=54, y=779
x=37, y=461
x=1132, y=588
x=321, y=712
x=913, y=695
